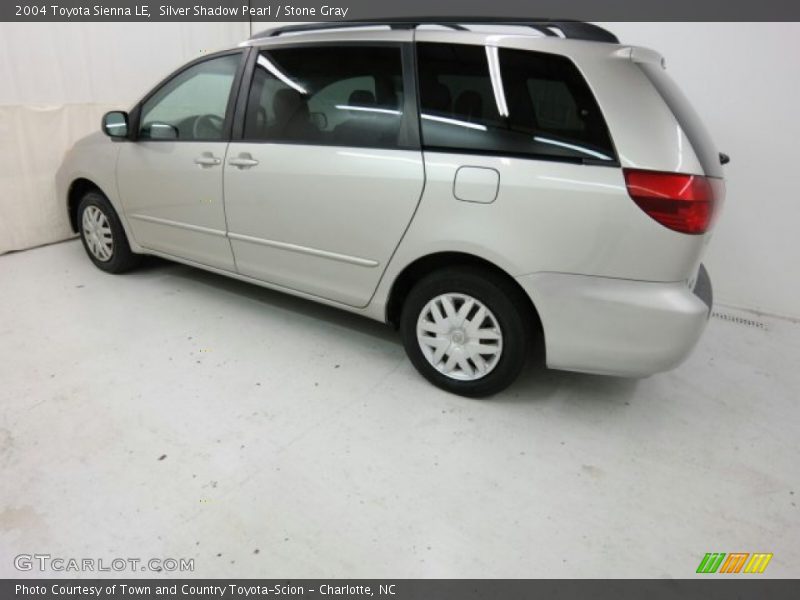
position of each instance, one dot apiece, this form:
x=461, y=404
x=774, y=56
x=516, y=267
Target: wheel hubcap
x=459, y=336
x=97, y=233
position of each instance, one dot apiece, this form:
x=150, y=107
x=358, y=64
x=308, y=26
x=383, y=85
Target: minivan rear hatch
x=687, y=118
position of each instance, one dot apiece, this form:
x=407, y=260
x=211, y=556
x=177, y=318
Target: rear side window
x=504, y=101
x=345, y=96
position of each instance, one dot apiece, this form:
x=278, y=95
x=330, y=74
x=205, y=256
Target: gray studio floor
x=175, y=413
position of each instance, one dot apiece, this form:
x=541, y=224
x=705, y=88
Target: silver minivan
x=482, y=188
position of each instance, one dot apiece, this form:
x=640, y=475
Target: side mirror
x=115, y=124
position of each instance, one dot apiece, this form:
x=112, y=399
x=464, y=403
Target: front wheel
x=466, y=330
x=103, y=236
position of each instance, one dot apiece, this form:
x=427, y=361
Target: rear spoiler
x=639, y=54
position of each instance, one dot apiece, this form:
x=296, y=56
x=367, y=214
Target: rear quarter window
x=505, y=101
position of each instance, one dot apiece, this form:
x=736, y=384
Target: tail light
x=683, y=203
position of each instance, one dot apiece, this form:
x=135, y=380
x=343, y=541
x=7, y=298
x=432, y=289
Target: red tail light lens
x=683, y=203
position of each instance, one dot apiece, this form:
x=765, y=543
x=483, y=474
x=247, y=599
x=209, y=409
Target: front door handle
x=243, y=161
x=206, y=159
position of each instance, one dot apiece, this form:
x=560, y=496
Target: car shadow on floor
x=273, y=299
x=536, y=382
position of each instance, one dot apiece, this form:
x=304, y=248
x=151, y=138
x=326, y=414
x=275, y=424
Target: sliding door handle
x=243, y=161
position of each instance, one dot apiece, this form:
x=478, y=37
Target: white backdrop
x=58, y=79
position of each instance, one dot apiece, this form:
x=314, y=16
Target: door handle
x=243, y=161
x=206, y=159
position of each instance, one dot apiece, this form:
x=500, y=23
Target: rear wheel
x=103, y=236
x=466, y=330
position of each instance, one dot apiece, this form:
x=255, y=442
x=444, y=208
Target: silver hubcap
x=459, y=336
x=97, y=233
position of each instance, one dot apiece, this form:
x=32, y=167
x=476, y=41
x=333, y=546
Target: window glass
x=346, y=96
x=191, y=105
x=498, y=100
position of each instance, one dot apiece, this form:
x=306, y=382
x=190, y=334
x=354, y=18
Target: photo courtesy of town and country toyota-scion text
x=192, y=590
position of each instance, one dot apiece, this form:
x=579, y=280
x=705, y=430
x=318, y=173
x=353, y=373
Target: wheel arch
x=77, y=189
x=429, y=263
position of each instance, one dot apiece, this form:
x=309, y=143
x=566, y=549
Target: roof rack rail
x=573, y=30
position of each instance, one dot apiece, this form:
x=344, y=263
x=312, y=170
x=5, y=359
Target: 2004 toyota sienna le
x=480, y=187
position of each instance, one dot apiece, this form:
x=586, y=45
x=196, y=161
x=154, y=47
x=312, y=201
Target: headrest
x=361, y=98
x=287, y=103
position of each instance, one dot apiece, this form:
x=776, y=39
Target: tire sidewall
x=486, y=289
x=120, y=251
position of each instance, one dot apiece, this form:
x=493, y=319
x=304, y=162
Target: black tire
x=122, y=258
x=509, y=307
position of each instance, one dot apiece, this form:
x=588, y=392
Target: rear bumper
x=618, y=326
x=703, y=288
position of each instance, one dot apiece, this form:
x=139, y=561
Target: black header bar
x=335, y=10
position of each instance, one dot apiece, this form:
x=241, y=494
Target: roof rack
x=573, y=30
